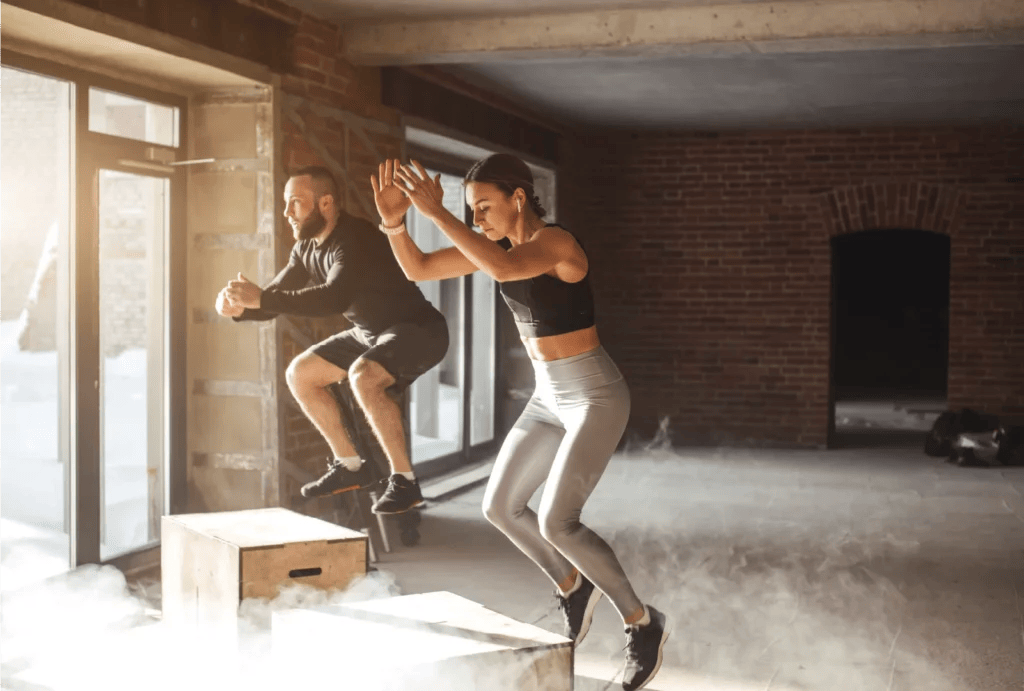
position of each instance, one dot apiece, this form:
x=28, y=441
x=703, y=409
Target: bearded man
x=341, y=264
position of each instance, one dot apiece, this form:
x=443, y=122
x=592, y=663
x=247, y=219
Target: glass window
x=36, y=151
x=132, y=118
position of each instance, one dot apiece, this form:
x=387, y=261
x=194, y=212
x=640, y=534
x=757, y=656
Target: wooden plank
x=265, y=527
x=199, y=578
x=324, y=565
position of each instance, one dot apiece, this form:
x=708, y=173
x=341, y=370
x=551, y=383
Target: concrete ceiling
x=373, y=10
x=76, y=35
x=917, y=85
x=702, y=64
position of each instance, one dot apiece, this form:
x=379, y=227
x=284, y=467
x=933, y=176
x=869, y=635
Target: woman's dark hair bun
x=507, y=173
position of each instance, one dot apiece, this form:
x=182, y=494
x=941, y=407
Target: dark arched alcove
x=891, y=314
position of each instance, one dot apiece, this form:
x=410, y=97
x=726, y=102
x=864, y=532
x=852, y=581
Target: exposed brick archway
x=879, y=207
x=918, y=205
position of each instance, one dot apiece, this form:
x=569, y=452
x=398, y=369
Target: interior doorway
x=890, y=341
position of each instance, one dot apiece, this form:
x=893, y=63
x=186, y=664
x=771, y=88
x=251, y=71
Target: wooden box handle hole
x=304, y=573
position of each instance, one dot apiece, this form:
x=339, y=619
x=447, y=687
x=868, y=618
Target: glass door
x=130, y=269
x=133, y=215
x=451, y=407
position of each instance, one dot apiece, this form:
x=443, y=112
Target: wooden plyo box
x=428, y=641
x=211, y=562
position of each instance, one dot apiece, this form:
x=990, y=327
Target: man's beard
x=312, y=225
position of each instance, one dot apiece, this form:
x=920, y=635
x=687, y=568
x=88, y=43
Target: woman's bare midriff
x=563, y=345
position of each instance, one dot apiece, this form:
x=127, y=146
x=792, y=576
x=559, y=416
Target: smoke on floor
x=87, y=630
x=767, y=584
x=802, y=610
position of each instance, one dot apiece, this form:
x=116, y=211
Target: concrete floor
x=868, y=567
x=847, y=570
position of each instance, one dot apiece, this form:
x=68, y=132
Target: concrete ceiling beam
x=788, y=26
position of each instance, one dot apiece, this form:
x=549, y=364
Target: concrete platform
x=430, y=640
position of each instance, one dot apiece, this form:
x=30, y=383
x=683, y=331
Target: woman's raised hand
x=425, y=193
x=391, y=200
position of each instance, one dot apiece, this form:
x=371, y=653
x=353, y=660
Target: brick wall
x=711, y=256
x=332, y=115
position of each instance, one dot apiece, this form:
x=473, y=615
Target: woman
x=578, y=412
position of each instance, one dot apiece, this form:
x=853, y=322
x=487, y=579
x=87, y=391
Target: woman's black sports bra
x=547, y=306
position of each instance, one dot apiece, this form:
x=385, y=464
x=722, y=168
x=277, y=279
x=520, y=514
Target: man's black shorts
x=406, y=350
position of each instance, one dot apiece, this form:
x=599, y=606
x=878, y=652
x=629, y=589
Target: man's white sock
x=410, y=476
x=352, y=463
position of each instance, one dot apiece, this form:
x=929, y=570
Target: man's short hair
x=323, y=181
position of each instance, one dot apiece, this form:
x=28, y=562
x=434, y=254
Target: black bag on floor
x=1003, y=447
x=975, y=450
x=950, y=425
x=1011, y=445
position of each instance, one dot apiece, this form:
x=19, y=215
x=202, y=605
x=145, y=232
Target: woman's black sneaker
x=338, y=479
x=400, y=496
x=578, y=609
x=644, y=645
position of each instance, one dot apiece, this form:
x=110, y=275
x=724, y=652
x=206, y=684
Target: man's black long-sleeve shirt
x=353, y=272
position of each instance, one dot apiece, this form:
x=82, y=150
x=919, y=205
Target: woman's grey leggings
x=566, y=436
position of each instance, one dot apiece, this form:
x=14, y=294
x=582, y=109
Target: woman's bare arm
x=546, y=250
x=392, y=203
x=440, y=264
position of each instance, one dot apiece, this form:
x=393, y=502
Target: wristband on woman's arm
x=392, y=230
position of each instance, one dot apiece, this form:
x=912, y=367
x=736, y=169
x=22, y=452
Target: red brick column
x=331, y=115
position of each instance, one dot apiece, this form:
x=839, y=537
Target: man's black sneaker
x=400, y=496
x=644, y=645
x=338, y=479
x=578, y=609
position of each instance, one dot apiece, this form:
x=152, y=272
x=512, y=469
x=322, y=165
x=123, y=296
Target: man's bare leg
x=308, y=377
x=369, y=384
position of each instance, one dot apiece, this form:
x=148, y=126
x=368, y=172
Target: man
x=396, y=336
